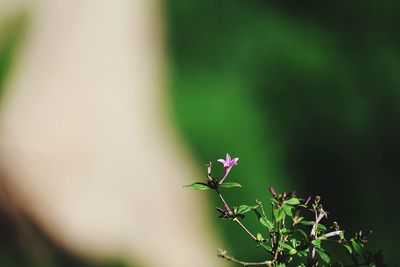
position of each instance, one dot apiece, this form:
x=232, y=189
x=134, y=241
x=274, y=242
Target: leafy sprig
x=294, y=234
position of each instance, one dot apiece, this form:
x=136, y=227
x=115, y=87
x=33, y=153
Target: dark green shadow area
x=306, y=93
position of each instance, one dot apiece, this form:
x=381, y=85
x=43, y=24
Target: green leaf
x=357, y=247
x=307, y=222
x=266, y=246
x=273, y=200
x=301, y=232
x=325, y=257
x=259, y=237
x=229, y=185
x=284, y=245
x=316, y=242
x=348, y=247
x=292, y=251
x=293, y=242
x=198, y=186
x=288, y=210
x=278, y=214
x=319, y=227
x=293, y=201
x=284, y=231
x=267, y=223
x=245, y=208
x=341, y=235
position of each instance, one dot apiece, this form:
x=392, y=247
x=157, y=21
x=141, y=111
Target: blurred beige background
x=86, y=142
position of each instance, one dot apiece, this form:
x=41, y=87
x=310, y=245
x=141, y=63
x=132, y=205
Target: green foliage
x=198, y=186
x=289, y=238
x=293, y=201
x=229, y=185
x=245, y=208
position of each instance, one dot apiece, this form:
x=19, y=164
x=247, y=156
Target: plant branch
x=222, y=254
x=235, y=219
x=245, y=229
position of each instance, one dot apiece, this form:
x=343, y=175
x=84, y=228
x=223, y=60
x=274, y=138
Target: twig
x=235, y=219
x=245, y=229
x=222, y=254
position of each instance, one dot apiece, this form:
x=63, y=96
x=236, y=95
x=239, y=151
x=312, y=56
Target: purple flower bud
x=272, y=191
x=313, y=253
x=334, y=233
x=228, y=209
x=320, y=216
x=307, y=201
x=284, y=195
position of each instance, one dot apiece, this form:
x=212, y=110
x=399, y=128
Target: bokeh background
x=305, y=93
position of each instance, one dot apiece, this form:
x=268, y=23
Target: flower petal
x=228, y=158
x=234, y=161
x=222, y=161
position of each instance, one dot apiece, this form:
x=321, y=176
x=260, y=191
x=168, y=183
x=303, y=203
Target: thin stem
x=278, y=237
x=244, y=228
x=227, y=170
x=225, y=204
x=235, y=219
x=222, y=254
x=272, y=234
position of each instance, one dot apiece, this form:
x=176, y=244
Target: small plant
x=294, y=234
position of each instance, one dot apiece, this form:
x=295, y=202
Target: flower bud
x=307, y=201
x=272, y=191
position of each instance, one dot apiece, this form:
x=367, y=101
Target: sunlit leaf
x=259, y=237
x=293, y=201
x=288, y=210
x=316, y=242
x=292, y=251
x=245, y=208
x=229, y=185
x=267, y=223
x=198, y=186
x=266, y=246
x=284, y=245
x=278, y=214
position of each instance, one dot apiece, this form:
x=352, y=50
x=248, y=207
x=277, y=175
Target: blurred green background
x=305, y=93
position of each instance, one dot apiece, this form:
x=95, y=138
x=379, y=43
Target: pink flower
x=228, y=164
